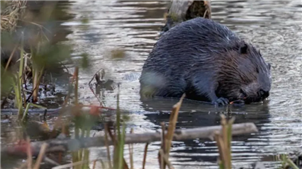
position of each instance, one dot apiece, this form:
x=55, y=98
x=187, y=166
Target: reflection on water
x=273, y=26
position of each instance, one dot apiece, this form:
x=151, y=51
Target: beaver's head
x=244, y=75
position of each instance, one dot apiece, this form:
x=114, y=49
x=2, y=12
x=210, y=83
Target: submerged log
x=63, y=145
x=182, y=10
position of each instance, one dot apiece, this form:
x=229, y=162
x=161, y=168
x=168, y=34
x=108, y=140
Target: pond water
x=133, y=26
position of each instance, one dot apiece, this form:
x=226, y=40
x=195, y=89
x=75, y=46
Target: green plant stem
x=27, y=107
x=121, y=147
x=86, y=152
x=291, y=163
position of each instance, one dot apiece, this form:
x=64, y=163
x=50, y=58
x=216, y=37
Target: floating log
x=63, y=145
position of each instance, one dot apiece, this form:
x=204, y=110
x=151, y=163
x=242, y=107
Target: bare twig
x=29, y=154
x=50, y=161
x=10, y=58
x=76, y=87
x=41, y=155
x=163, y=143
x=94, y=164
x=145, y=155
x=107, y=146
x=172, y=125
x=90, y=86
x=166, y=158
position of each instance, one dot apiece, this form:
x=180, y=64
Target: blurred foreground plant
x=30, y=50
x=223, y=141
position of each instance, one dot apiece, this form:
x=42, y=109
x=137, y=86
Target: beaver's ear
x=243, y=48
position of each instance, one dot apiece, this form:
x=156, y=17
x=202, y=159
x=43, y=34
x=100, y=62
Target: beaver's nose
x=263, y=94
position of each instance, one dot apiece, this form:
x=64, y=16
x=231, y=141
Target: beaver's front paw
x=221, y=101
x=238, y=103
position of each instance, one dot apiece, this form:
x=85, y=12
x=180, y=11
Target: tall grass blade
x=131, y=152
x=27, y=107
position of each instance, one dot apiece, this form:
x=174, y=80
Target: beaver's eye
x=257, y=70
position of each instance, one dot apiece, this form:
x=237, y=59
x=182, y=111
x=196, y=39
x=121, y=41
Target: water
x=273, y=26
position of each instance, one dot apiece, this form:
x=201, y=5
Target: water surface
x=272, y=26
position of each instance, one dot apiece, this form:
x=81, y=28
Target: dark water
x=273, y=26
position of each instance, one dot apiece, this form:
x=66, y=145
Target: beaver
x=208, y=62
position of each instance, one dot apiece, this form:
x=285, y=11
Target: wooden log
x=182, y=10
x=63, y=145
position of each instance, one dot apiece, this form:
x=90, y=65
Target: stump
x=182, y=10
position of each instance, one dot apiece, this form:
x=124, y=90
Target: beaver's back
x=203, y=33
x=190, y=42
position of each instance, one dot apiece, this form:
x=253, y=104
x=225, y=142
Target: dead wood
x=180, y=11
x=63, y=145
